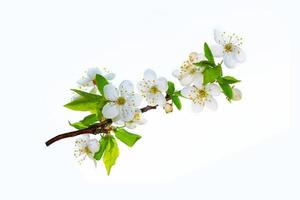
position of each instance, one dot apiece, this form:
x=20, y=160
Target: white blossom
x=122, y=102
x=86, y=147
x=88, y=81
x=229, y=47
x=153, y=88
x=202, y=95
x=137, y=120
x=188, y=72
x=237, y=94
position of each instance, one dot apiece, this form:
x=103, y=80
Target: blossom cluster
x=200, y=76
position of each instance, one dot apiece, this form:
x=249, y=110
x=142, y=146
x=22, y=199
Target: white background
x=245, y=150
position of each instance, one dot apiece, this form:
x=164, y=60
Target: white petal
x=126, y=88
x=150, y=75
x=111, y=92
x=187, y=80
x=134, y=100
x=110, y=110
x=176, y=73
x=141, y=121
x=151, y=99
x=127, y=113
x=213, y=89
x=211, y=103
x=195, y=57
x=83, y=81
x=93, y=145
x=131, y=125
x=198, y=79
x=161, y=100
x=229, y=60
x=110, y=76
x=237, y=94
x=162, y=84
x=239, y=55
x=197, y=107
x=93, y=71
x=189, y=92
x=217, y=50
x=219, y=37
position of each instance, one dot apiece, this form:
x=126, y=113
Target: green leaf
x=230, y=80
x=227, y=90
x=126, y=137
x=87, y=95
x=103, y=143
x=171, y=88
x=111, y=154
x=86, y=102
x=176, y=101
x=90, y=119
x=208, y=54
x=205, y=63
x=210, y=75
x=101, y=82
x=78, y=125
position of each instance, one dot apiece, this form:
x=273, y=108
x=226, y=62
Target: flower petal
x=93, y=145
x=187, y=79
x=189, y=92
x=110, y=76
x=150, y=75
x=110, y=110
x=229, y=60
x=217, y=50
x=213, y=89
x=176, y=73
x=198, y=79
x=195, y=57
x=134, y=100
x=239, y=55
x=197, y=107
x=237, y=94
x=211, y=103
x=162, y=84
x=93, y=71
x=219, y=37
x=127, y=113
x=151, y=99
x=111, y=92
x=161, y=100
x=126, y=88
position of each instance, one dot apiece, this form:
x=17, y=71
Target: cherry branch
x=95, y=128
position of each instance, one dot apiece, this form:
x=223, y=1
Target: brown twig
x=95, y=128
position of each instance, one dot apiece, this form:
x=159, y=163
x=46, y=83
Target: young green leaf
x=171, y=88
x=87, y=95
x=78, y=125
x=176, y=101
x=103, y=143
x=111, y=154
x=83, y=104
x=208, y=54
x=227, y=90
x=205, y=63
x=101, y=82
x=210, y=75
x=90, y=119
x=126, y=137
x=230, y=79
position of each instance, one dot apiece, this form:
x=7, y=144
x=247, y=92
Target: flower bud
x=237, y=94
x=168, y=108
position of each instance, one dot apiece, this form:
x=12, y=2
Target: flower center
x=154, y=90
x=228, y=47
x=121, y=101
x=202, y=94
x=87, y=150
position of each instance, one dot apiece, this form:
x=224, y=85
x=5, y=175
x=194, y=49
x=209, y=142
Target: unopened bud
x=237, y=94
x=168, y=108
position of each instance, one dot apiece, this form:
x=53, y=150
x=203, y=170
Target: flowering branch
x=114, y=110
x=95, y=128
